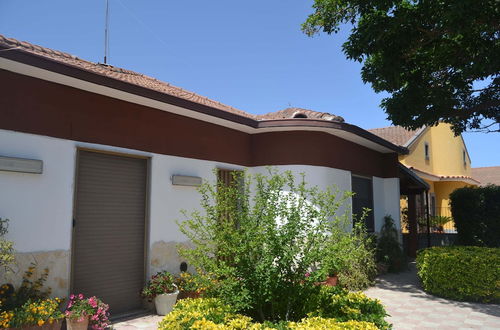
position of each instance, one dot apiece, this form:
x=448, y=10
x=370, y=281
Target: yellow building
x=437, y=156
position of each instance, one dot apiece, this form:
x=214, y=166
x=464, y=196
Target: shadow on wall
x=56, y=261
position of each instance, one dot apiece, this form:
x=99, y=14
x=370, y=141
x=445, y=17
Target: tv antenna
x=106, y=34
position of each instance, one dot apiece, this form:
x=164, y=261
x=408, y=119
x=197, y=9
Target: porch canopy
x=409, y=182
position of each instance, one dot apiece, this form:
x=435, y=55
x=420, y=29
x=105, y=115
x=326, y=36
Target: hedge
x=461, y=272
x=476, y=212
x=211, y=313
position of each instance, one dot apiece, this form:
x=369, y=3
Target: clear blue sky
x=247, y=54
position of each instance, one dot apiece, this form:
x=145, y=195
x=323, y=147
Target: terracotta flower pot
x=331, y=280
x=73, y=324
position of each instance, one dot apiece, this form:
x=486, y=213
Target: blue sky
x=247, y=54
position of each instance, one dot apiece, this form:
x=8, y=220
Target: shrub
x=358, y=255
x=6, y=247
x=211, y=313
x=318, y=323
x=389, y=250
x=476, y=212
x=36, y=313
x=187, y=311
x=30, y=290
x=260, y=238
x=342, y=305
x=461, y=273
x=187, y=282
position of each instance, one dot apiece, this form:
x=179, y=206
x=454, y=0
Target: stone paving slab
x=410, y=307
x=147, y=322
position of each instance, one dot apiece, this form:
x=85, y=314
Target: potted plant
x=78, y=312
x=190, y=285
x=82, y=313
x=162, y=289
x=332, y=278
x=332, y=267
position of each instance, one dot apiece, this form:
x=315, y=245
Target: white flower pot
x=165, y=302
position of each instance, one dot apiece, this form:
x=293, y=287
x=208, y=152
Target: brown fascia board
x=333, y=125
x=45, y=63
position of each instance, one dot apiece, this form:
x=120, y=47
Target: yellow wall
x=445, y=150
x=443, y=190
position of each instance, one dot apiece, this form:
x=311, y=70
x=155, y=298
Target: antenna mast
x=106, y=32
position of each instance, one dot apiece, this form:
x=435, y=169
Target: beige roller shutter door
x=109, y=229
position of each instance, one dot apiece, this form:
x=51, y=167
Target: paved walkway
x=147, y=322
x=411, y=308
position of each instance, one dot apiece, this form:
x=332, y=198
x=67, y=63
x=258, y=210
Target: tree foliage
x=430, y=55
x=266, y=241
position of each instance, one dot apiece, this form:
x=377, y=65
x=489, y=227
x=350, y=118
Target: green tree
x=266, y=240
x=438, y=59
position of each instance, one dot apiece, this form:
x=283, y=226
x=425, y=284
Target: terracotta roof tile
x=445, y=177
x=289, y=113
x=395, y=134
x=119, y=74
x=487, y=175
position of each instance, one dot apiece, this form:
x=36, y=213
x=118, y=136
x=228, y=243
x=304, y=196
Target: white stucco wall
x=40, y=206
x=386, y=201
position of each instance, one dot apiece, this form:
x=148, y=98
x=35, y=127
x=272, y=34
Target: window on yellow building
x=426, y=149
x=464, y=155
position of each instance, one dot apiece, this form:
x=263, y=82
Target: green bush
x=355, y=252
x=342, y=305
x=31, y=289
x=461, y=273
x=259, y=238
x=212, y=313
x=476, y=212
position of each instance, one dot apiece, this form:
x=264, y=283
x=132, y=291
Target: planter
x=331, y=281
x=56, y=325
x=165, y=302
x=188, y=294
x=77, y=325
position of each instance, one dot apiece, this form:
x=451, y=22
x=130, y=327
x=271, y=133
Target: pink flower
x=308, y=274
x=93, y=302
x=72, y=296
x=80, y=296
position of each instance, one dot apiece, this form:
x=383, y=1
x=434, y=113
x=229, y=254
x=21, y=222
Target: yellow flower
x=40, y=322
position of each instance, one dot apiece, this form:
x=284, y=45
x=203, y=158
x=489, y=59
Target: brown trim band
x=45, y=63
x=41, y=107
